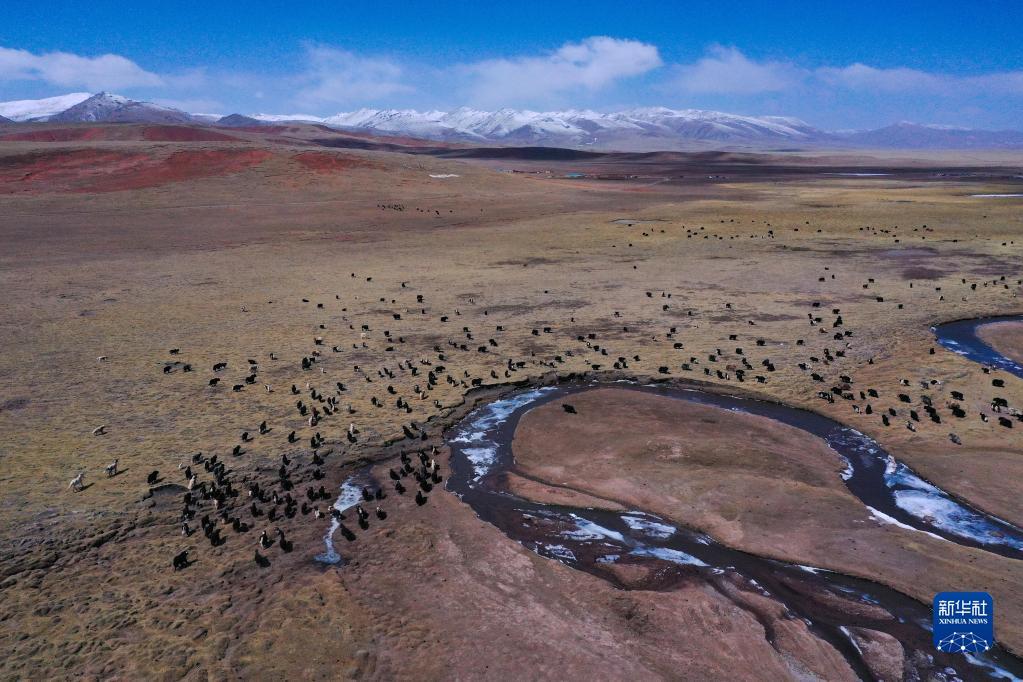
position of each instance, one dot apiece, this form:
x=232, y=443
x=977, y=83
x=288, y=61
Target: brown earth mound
x=90, y=170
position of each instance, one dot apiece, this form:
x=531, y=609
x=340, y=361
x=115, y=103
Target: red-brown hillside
x=109, y=133
x=93, y=170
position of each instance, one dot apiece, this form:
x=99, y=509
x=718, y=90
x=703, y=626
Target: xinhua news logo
x=964, y=622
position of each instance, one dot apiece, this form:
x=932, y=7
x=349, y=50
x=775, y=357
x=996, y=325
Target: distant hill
x=240, y=121
x=915, y=136
x=107, y=108
x=635, y=130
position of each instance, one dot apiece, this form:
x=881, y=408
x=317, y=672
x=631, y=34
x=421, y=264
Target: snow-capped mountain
x=651, y=127
x=277, y=118
x=36, y=109
x=105, y=107
x=645, y=129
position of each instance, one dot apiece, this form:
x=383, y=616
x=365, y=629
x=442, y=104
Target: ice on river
x=932, y=505
x=350, y=495
x=483, y=453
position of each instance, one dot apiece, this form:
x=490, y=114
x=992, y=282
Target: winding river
x=590, y=540
x=961, y=337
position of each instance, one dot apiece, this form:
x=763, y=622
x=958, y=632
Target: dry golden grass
x=219, y=267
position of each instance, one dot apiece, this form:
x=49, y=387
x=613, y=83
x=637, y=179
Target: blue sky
x=839, y=65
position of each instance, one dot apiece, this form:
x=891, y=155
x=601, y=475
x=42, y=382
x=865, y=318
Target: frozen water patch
x=898, y=474
x=848, y=471
x=559, y=552
x=444, y=175
x=482, y=459
x=588, y=530
x=350, y=495
x=667, y=554
x=995, y=671
x=931, y=504
x=881, y=517
x=483, y=421
x=580, y=535
x=952, y=518
x=757, y=585
x=996, y=196
x=846, y=439
x=890, y=469
x=852, y=640
x=647, y=526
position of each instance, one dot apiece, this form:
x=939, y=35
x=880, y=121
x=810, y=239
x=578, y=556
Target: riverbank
x=1004, y=337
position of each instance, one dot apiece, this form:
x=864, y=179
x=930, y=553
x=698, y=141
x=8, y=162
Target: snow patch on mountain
x=107, y=107
x=274, y=118
x=33, y=109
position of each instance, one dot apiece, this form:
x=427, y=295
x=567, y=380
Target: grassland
x=218, y=264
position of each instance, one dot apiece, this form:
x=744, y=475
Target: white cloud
x=726, y=70
x=343, y=78
x=903, y=80
x=590, y=65
x=1006, y=82
x=105, y=72
x=592, y=72
x=862, y=77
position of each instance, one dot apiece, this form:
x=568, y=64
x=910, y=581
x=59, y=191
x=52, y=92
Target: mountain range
x=642, y=129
